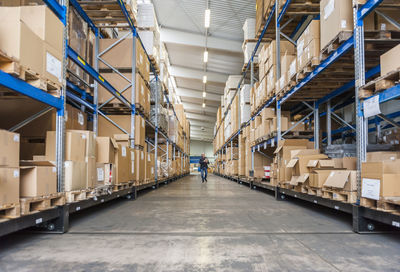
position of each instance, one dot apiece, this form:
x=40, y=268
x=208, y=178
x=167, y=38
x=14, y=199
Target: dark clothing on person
x=203, y=163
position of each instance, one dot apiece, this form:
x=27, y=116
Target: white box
x=245, y=93
x=245, y=114
x=249, y=29
x=146, y=16
x=233, y=81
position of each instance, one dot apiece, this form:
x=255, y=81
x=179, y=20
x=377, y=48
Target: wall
x=199, y=147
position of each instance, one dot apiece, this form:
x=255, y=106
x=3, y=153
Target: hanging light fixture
x=205, y=56
x=207, y=18
x=204, y=94
x=204, y=79
x=204, y=105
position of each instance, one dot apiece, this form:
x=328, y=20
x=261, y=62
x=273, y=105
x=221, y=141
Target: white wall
x=199, y=147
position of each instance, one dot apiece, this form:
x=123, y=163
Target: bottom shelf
x=364, y=218
x=56, y=220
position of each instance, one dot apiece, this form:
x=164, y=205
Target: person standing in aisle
x=203, y=167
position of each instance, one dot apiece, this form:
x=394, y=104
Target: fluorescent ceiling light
x=206, y=56
x=207, y=17
x=204, y=79
x=204, y=94
x=204, y=105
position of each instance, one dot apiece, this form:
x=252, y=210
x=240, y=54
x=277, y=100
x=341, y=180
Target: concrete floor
x=189, y=226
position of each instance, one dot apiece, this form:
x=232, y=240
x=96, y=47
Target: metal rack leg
x=61, y=224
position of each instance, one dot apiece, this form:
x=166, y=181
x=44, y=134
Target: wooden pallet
x=369, y=203
x=307, y=68
x=10, y=210
x=31, y=205
x=343, y=196
x=381, y=83
x=155, y=64
x=389, y=204
x=295, y=134
x=78, y=195
x=314, y=191
x=121, y=186
x=11, y=66
x=335, y=43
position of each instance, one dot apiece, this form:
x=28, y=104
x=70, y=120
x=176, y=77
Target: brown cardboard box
x=286, y=146
x=140, y=161
x=349, y=163
x=122, y=165
x=273, y=124
x=52, y=64
x=39, y=180
x=390, y=60
x=300, y=163
x=382, y=156
x=75, y=175
x=121, y=55
x=9, y=149
x=75, y=146
x=90, y=172
x=342, y=180
x=104, y=174
x=318, y=177
x=149, y=166
x=132, y=162
x=336, y=16
x=106, y=148
x=124, y=121
x=312, y=164
x=385, y=173
x=122, y=139
x=385, y=25
x=45, y=24
x=268, y=113
x=90, y=137
x=21, y=41
x=119, y=83
x=9, y=186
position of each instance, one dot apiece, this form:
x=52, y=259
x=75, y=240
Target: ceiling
x=183, y=32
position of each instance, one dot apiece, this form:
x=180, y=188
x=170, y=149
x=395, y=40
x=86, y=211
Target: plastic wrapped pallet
x=249, y=29
x=155, y=90
x=233, y=81
x=245, y=113
x=245, y=93
x=146, y=16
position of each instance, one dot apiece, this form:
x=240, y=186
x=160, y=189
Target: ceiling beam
x=201, y=117
x=202, y=123
x=202, y=139
x=173, y=36
x=198, y=107
x=197, y=94
x=179, y=71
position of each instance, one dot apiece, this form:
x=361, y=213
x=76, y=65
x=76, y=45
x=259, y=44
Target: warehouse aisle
x=189, y=226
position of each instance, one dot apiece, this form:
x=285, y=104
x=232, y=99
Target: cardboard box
x=38, y=179
x=342, y=180
x=124, y=121
x=390, y=60
x=121, y=56
x=75, y=175
x=90, y=137
x=382, y=156
x=300, y=164
x=150, y=163
x=286, y=146
x=9, y=185
x=312, y=164
x=349, y=163
x=20, y=41
x=45, y=24
x=336, y=16
x=9, y=149
x=90, y=172
x=106, y=148
x=318, y=177
x=119, y=83
x=140, y=161
x=385, y=175
x=122, y=165
x=104, y=174
x=52, y=64
x=273, y=124
x=268, y=113
x=75, y=146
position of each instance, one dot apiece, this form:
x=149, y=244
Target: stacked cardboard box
x=308, y=46
x=9, y=168
x=106, y=149
x=245, y=106
x=33, y=29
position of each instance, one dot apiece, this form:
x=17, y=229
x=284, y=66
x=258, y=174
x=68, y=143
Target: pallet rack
x=297, y=100
x=57, y=219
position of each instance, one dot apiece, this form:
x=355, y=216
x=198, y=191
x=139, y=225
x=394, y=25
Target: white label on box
x=16, y=138
x=371, y=107
x=152, y=170
x=81, y=121
x=300, y=47
x=123, y=151
x=132, y=155
x=142, y=122
x=148, y=157
x=100, y=174
x=66, y=116
x=343, y=23
x=383, y=27
x=16, y=173
x=142, y=90
x=53, y=66
x=329, y=8
x=39, y=220
x=371, y=188
x=142, y=155
x=54, y=169
x=132, y=167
